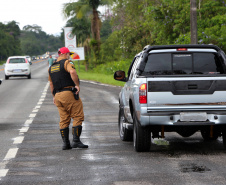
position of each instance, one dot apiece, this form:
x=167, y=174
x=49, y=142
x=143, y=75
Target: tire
x=125, y=134
x=6, y=77
x=224, y=137
x=29, y=76
x=206, y=135
x=141, y=136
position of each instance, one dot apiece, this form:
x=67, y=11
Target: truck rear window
x=183, y=63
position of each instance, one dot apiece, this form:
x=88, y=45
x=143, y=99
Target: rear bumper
x=216, y=115
x=17, y=74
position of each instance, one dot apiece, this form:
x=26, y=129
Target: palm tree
x=88, y=8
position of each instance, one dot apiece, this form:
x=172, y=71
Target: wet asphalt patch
x=193, y=168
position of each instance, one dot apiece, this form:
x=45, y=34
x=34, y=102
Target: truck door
x=128, y=88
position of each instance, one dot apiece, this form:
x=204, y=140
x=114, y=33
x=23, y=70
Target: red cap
x=63, y=50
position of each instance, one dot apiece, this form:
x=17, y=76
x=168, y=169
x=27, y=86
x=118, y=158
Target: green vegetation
x=29, y=41
x=131, y=25
x=2, y=62
x=100, y=74
x=112, y=39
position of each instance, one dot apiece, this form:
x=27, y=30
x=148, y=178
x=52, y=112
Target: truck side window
x=133, y=71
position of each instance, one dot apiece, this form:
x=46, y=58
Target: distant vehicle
x=33, y=58
x=54, y=58
x=17, y=66
x=29, y=59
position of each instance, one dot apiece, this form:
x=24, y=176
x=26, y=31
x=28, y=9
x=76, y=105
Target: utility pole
x=193, y=22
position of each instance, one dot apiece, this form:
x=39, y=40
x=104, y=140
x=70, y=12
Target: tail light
x=26, y=60
x=182, y=49
x=143, y=94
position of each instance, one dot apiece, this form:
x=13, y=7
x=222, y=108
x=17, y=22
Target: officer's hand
x=54, y=101
x=78, y=89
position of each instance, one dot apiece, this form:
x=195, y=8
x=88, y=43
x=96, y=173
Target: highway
x=31, y=143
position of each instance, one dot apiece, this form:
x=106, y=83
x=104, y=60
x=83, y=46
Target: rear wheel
x=124, y=133
x=6, y=77
x=224, y=136
x=206, y=134
x=141, y=136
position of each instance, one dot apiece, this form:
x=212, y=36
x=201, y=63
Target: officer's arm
x=74, y=77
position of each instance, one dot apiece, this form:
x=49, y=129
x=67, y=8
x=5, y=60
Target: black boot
x=65, y=136
x=76, y=132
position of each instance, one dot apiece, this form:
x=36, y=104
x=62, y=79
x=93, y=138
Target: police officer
x=62, y=78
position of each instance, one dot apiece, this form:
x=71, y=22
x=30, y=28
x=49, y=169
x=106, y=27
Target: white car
x=17, y=66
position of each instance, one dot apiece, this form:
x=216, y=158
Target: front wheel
x=124, y=133
x=141, y=136
x=6, y=77
x=29, y=76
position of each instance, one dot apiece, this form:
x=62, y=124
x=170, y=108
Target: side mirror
x=120, y=76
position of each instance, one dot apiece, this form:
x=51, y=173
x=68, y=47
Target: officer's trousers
x=69, y=108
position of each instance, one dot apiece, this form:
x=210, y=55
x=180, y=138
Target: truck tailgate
x=184, y=94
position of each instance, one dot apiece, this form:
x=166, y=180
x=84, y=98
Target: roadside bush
x=111, y=67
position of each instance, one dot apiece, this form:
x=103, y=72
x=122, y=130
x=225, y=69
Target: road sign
x=78, y=53
x=70, y=39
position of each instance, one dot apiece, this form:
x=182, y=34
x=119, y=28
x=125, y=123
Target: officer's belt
x=65, y=89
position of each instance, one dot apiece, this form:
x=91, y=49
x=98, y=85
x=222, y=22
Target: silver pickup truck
x=174, y=88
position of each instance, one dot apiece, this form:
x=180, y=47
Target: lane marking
x=11, y=153
x=18, y=140
x=24, y=129
x=38, y=107
x=3, y=172
x=28, y=122
x=32, y=115
x=98, y=83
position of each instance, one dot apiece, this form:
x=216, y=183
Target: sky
x=45, y=13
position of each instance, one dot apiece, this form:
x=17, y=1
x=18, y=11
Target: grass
x=98, y=77
x=2, y=62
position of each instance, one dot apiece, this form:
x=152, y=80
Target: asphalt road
x=38, y=158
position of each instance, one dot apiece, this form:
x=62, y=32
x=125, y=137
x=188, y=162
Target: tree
x=87, y=8
x=9, y=39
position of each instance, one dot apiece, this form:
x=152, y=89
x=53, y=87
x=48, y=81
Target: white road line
x=28, y=122
x=32, y=115
x=11, y=153
x=3, y=172
x=97, y=83
x=18, y=140
x=24, y=129
x=37, y=107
